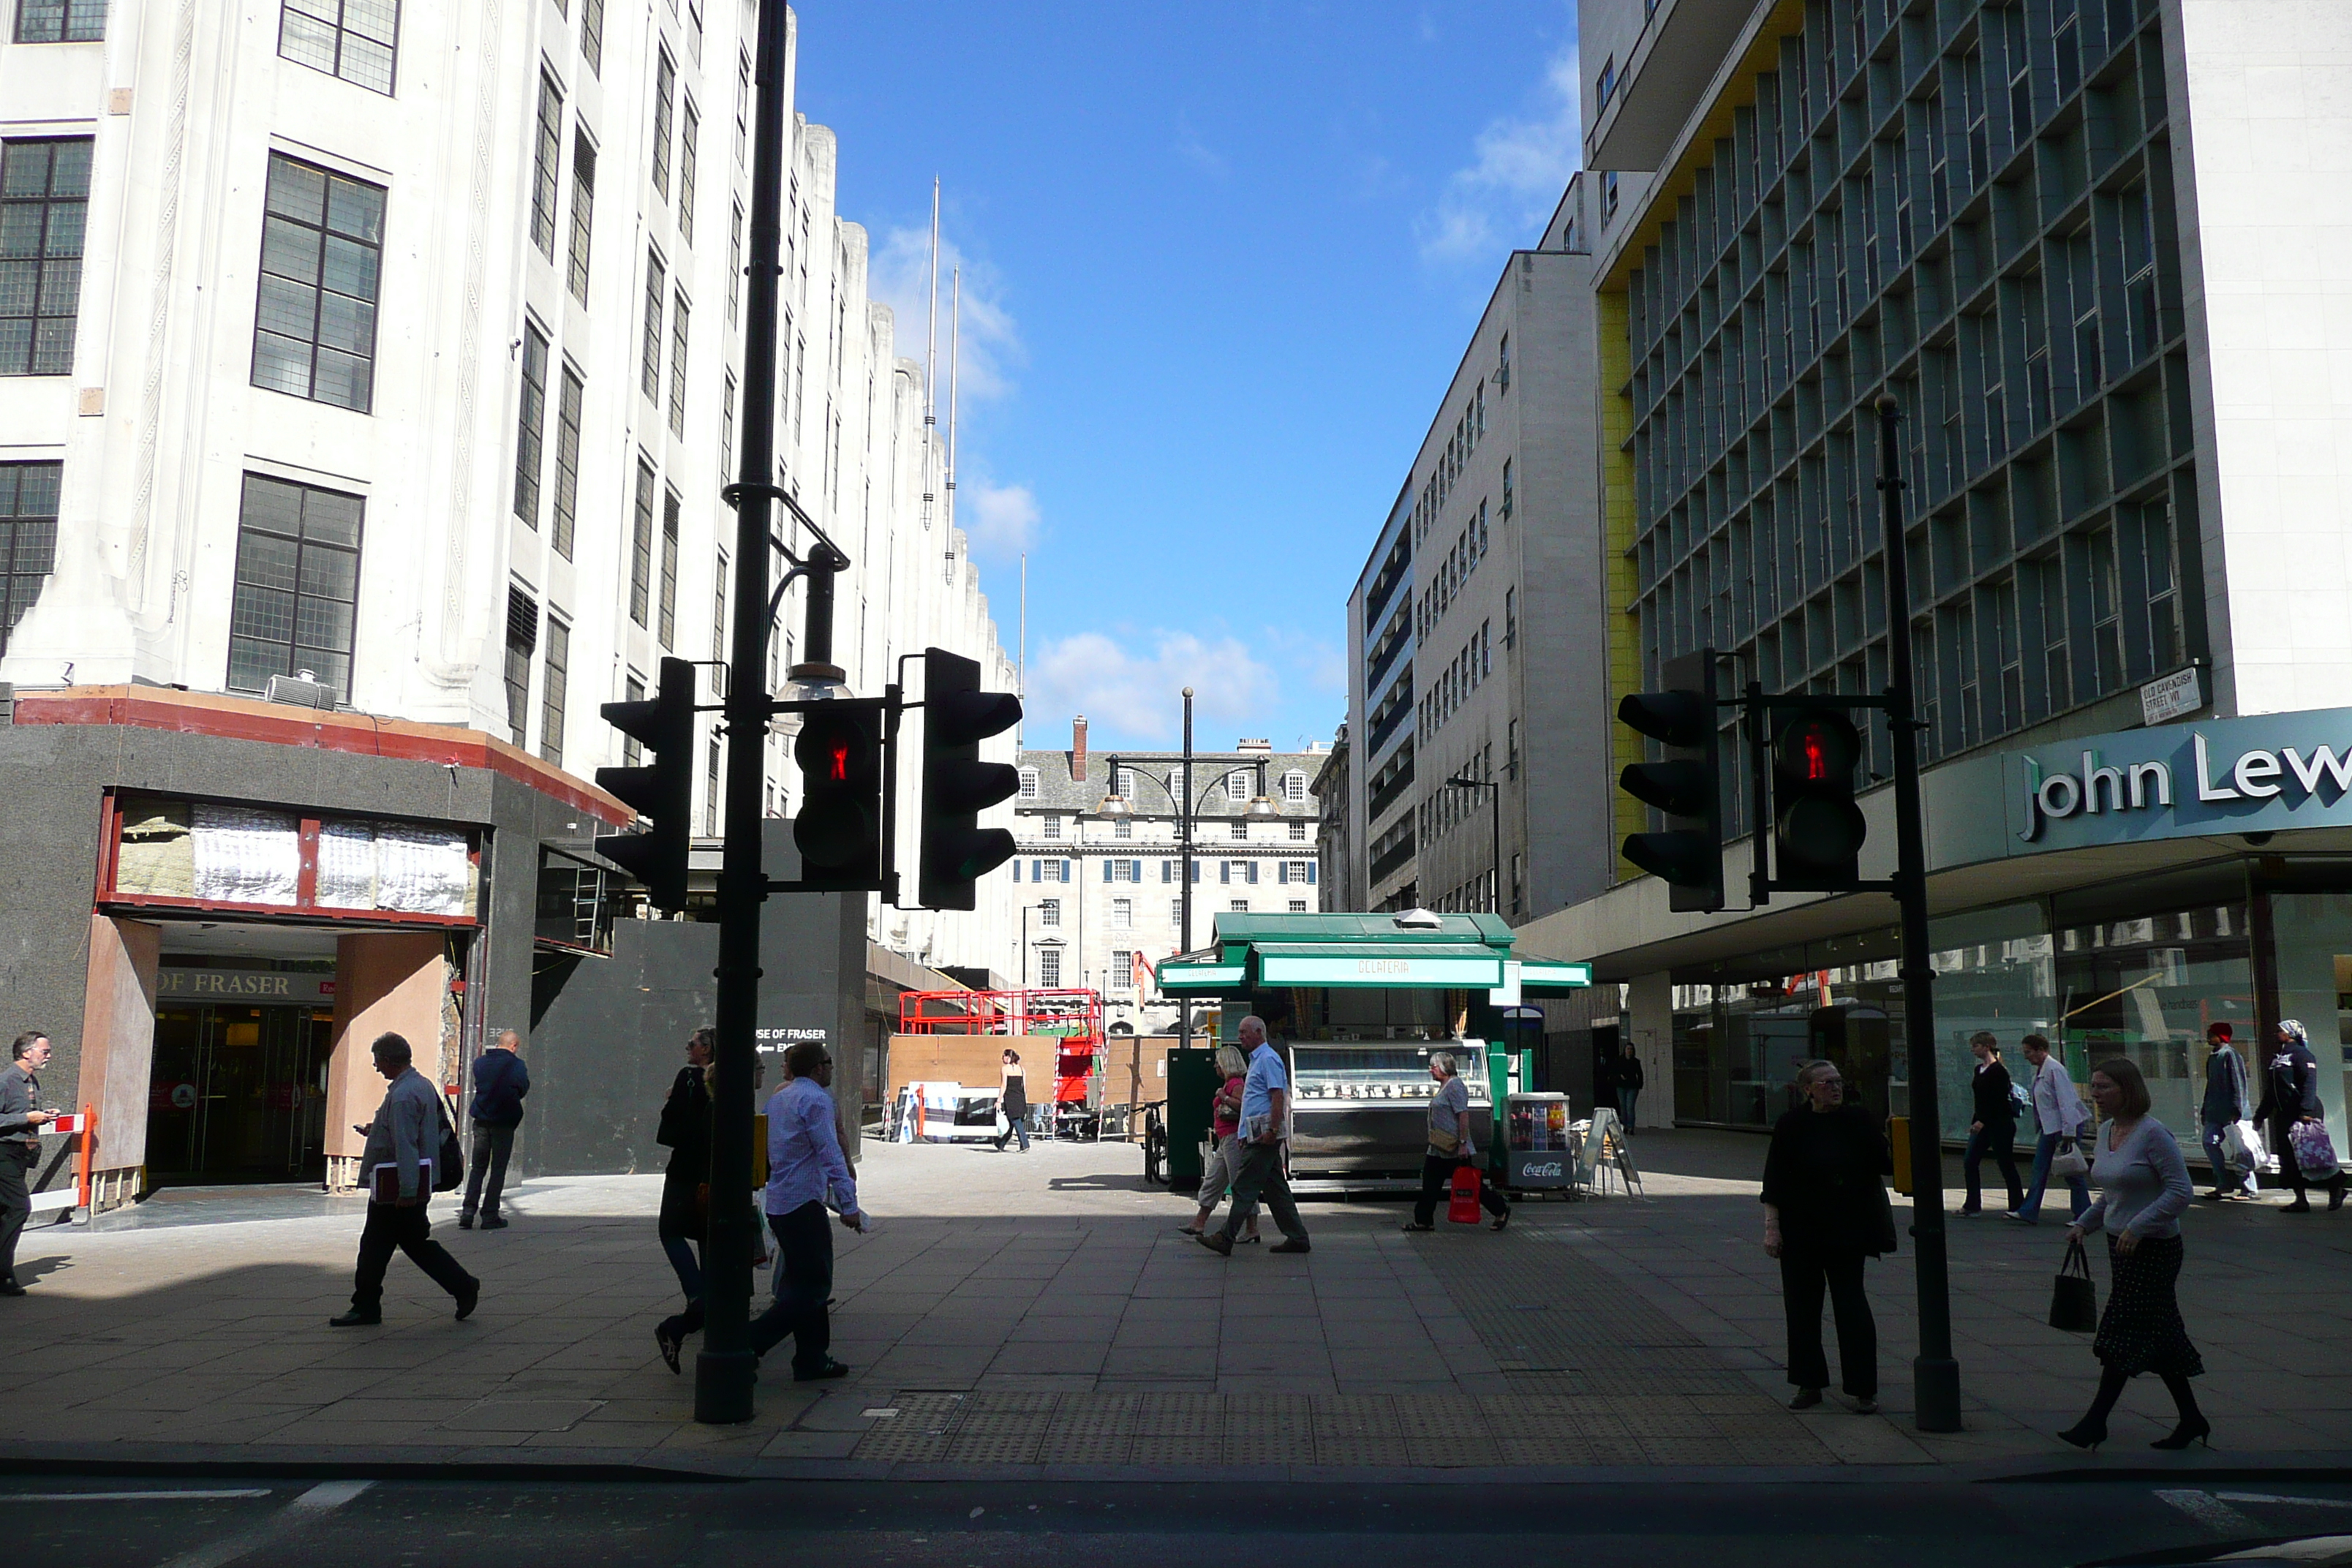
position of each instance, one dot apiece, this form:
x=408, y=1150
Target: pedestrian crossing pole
x=1935, y=1375
x=726, y=1371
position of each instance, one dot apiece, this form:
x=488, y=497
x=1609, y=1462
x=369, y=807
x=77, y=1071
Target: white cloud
x=900, y=275
x=1130, y=686
x=1503, y=195
x=1001, y=519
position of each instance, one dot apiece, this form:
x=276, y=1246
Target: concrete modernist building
x=1102, y=890
x=2086, y=246
x=400, y=347
x=1476, y=631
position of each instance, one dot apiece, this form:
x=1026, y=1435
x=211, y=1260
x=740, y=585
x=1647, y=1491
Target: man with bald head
x=1265, y=1129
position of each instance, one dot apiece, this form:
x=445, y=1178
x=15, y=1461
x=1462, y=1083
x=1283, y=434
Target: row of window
x=1123, y=871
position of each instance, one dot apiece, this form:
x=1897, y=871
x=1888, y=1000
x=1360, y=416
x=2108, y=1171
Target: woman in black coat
x=1825, y=1210
x=686, y=1187
x=2290, y=1097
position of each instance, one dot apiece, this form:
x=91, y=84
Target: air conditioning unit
x=301, y=690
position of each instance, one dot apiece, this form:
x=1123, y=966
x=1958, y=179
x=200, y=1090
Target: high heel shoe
x=2198, y=1431
x=2082, y=1434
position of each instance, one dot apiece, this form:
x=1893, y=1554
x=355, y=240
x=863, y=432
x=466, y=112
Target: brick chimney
x=1078, y=748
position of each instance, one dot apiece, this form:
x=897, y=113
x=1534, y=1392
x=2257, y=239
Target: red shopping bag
x=1463, y=1207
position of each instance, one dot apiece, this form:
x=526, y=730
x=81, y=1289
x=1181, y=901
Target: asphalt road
x=257, y=1522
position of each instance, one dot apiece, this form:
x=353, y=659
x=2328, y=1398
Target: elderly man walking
x=501, y=1080
x=401, y=1144
x=1265, y=1126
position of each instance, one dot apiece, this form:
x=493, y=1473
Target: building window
x=584, y=214
x=641, y=547
x=649, y=370
x=60, y=21
x=592, y=35
x=1049, y=967
x=690, y=127
x=28, y=537
x=670, y=508
x=1051, y=826
x=665, y=90
x=1299, y=906
x=298, y=571
x=1122, y=914
x=1028, y=783
x=632, y=691
x=546, y=155
x=530, y=426
x=1299, y=832
x=522, y=642
x=354, y=40
x=677, y=320
x=553, y=687
x=1049, y=912
x=322, y=245
x=44, y=203
x=567, y=459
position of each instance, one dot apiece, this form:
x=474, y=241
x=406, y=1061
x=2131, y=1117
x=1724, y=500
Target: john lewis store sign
x=2264, y=774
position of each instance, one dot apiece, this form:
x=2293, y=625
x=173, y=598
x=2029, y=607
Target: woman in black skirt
x=2144, y=1190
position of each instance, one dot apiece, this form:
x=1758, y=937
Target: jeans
x=2078, y=1188
x=2000, y=1137
x=806, y=1265
x=1803, y=1275
x=492, y=1147
x=1625, y=1098
x=390, y=1227
x=1259, y=1171
x=2210, y=1136
x=1437, y=1177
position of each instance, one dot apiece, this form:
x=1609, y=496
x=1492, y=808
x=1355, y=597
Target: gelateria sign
x=2263, y=774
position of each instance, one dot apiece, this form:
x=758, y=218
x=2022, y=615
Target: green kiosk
x=1357, y=1003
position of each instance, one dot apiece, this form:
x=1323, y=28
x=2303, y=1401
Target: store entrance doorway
x=239, y=1094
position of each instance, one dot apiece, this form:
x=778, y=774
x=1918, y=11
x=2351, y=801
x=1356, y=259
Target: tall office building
x=2085, y=246
x=369, y=375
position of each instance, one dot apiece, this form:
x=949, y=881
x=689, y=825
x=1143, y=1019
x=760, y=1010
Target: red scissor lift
x=1072, y=1018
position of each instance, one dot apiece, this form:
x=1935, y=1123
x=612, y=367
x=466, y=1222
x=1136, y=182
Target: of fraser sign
x=2263, y=774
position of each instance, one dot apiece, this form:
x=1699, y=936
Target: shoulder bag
x=2073, y=1299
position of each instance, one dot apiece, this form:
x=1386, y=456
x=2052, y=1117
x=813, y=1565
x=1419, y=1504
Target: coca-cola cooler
x=1535, y=1143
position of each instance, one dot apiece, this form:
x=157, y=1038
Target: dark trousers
x=804, y=1240
x=1437, y=1176
x=390, y=1227
x=16, y=1208
x=2000, y=1138
x=1261, y=1175
x=492, y=1147
x=1803, y=1276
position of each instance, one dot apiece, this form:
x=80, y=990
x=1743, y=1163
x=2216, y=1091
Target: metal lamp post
x=1463, y=781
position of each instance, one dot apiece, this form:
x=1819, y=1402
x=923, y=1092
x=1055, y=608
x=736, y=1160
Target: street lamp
x=1464, y=781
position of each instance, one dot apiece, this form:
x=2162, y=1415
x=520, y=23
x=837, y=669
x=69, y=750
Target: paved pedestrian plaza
x=1041, y=1311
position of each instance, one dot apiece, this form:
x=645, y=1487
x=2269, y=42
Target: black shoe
x=492, y=1222
x=467, y=1299
x=465, y=1222
x=2198, y=1431
x=1806, y=1399
x=1293, y=1247
x=1216, y=1241
x=356, y=1319
x=670, y=1344
x=831, y=1369
x=2082, y=1434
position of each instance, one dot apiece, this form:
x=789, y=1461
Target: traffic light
x=958, y=716
x=1817, y=829
x=1685, y=784
x=662, y=791
x=839, y=828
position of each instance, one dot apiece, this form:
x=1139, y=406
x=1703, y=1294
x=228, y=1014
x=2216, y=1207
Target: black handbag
x=450, y=1165
x=2073, y=1299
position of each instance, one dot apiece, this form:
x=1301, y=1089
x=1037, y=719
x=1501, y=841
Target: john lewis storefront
x=2117, y=893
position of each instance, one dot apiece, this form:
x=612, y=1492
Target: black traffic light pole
x=724, y=1370
x=1935, y=1374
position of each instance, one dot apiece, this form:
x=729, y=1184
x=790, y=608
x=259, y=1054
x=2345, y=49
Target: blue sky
x=1219, y=263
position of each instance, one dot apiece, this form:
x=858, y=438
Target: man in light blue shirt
x=806, y=1170
x=1265, y=1132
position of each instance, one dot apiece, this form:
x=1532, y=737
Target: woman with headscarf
x=2291, y=1099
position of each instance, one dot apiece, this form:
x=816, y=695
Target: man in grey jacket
x=402, y=1141
x=22, y=1117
